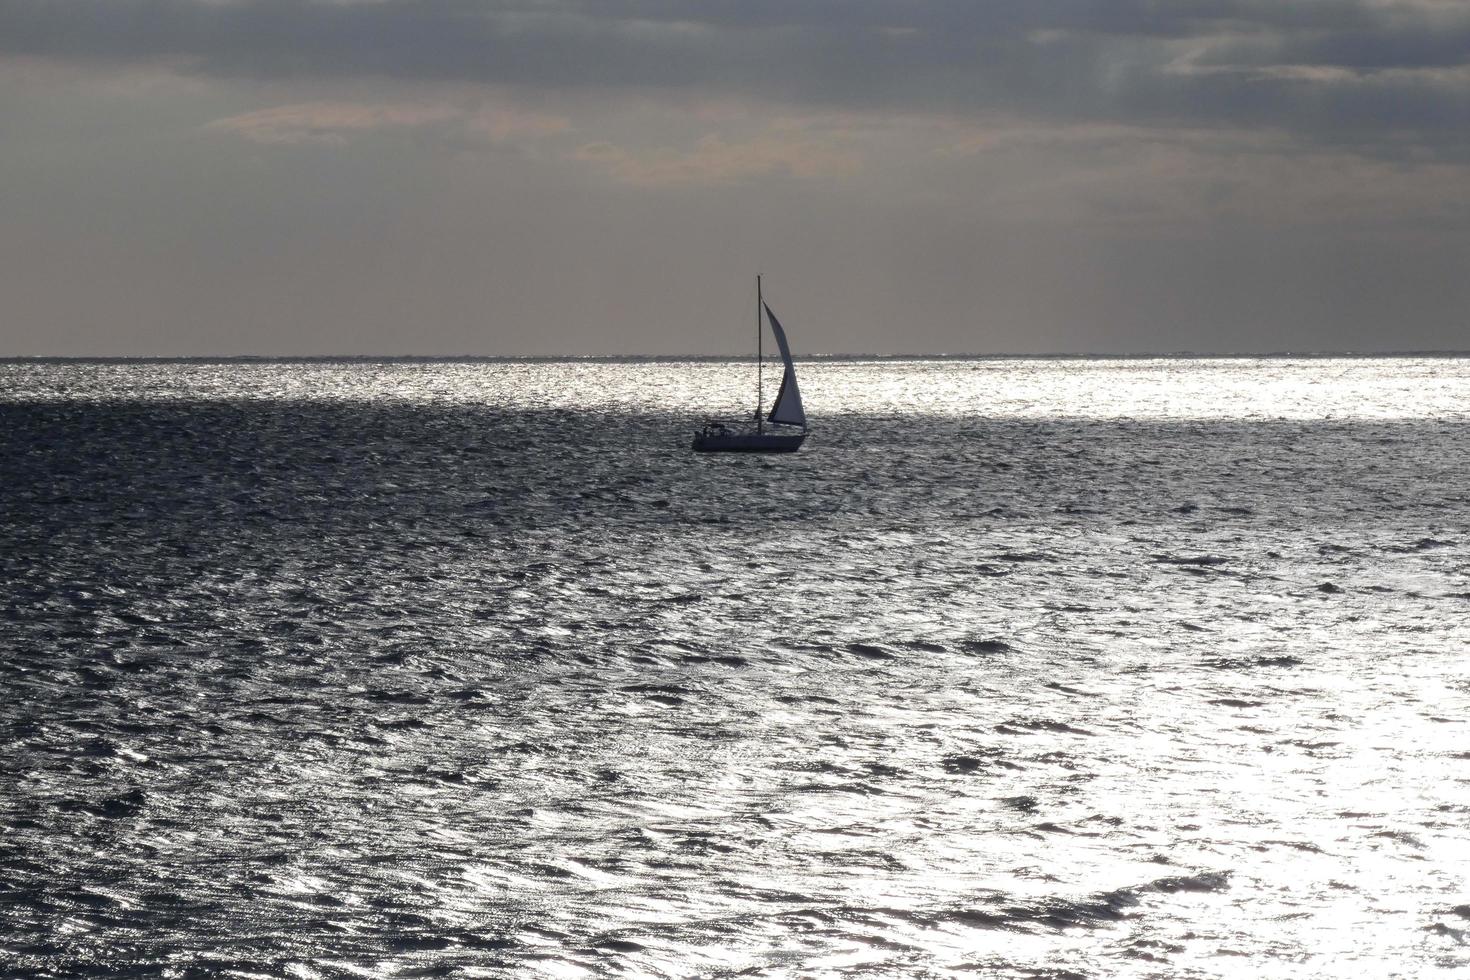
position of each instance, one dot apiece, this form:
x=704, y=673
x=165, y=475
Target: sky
x=441, y=177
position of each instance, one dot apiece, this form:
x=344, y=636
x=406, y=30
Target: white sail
x=787, y=408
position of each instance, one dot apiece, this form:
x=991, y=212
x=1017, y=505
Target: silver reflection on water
x=1096, y=668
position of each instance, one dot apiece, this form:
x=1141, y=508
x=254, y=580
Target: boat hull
x=748, y=442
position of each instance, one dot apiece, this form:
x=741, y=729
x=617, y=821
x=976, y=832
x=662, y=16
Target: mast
x=759, y=360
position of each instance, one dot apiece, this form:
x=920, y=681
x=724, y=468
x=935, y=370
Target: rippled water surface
x=1018, y=669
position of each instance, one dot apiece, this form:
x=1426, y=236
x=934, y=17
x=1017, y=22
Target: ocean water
x=1019, y=669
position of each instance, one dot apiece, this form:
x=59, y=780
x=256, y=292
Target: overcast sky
x=607, y=176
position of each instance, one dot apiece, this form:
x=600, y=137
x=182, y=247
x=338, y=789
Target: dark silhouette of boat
x=786, y=412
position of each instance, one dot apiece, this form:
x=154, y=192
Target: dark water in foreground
x=1019, y=669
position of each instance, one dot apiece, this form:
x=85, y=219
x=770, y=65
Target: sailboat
x=786, y=412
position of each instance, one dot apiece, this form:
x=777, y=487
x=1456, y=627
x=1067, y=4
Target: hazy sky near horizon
x=607, y=176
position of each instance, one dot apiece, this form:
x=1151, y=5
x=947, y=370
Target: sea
x=1052, y=668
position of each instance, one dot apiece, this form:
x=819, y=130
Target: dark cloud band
x=1349, y=70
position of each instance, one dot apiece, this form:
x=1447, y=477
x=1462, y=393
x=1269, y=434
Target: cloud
x=1366, y=72
x=326, y=122
x=714, y=160
x=332, y=123
x=502, y=123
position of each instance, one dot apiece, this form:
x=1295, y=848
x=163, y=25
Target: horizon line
x=714, y=358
